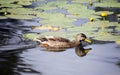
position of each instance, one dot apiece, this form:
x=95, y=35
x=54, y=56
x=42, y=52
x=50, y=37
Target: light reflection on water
x=101, y=60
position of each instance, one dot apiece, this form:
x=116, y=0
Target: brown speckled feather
x=57, y=42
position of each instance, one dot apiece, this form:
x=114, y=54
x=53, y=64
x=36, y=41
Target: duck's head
x=82, y=38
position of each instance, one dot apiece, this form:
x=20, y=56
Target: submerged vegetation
x=62, y=15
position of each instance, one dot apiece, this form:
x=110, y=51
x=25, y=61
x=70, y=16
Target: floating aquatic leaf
x=19, y=16
x=39, y=0
x=56, y=19
x=32, y=36
x=3, y=17
x=107, y=12
x=108, y=3
x=57, y=3
x=105, y=36
x=45, y=7
x=78, y=10
x=6, y=1
x=21, y=11
x=82, y=1
x=118, y=28
x=24, y=2
x=21, y=2
x=10, y=5
x=75, y=10
x=49, y=27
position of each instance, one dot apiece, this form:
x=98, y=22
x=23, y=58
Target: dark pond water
x=101, y=60
x=19, y=56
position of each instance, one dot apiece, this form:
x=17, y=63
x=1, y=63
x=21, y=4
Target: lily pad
x=21, y=11
x=107, y=12
x=24, y=2
x=49, y=27
x=56, y=19
x=10, y=5
x=82, y=1
x=105, y=36
x=57, y=3
x=79, y=10
x=32, y=36
x=19, y=16
x=3, y=17
x=45, y=7
x=6, y=1
x=108, y=3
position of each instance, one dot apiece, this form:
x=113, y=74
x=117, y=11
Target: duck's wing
x=59, y=39
x=53, y=38
x=54, y=42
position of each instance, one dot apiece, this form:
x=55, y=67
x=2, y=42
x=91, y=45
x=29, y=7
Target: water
x=79, y=22
x=102, y=59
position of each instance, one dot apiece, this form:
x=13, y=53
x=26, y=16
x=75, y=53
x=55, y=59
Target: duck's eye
x=81, y=41
x=83, y=35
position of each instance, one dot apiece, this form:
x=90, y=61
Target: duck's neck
x=74, y=43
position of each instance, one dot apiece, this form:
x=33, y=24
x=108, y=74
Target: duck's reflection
x=79, y=50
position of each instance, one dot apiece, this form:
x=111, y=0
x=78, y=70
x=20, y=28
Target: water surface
x=101, y=60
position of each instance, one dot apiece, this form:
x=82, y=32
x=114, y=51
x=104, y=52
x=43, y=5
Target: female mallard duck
x=59, y=43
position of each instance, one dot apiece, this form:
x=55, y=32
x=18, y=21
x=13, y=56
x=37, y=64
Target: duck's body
x=58, y=43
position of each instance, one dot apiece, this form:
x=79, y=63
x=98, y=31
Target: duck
x=55, y=43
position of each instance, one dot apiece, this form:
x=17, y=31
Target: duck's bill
x=88, y=40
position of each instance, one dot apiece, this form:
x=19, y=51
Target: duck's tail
x=37, y=40
x=41, y=40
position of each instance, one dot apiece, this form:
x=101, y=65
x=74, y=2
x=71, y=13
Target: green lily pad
x=82, y=1
x=32, y=36
x=19, y=16
x=21, y=11
x=107, y=12
x=105, y=36
x=118, y=28
x=79, y=10
x=45, y=7
x=56, y=19
x=3, y=17
x=6, y=1
x=108, y=3
x=10, y=5
x=57, y=3
x=24, y=2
